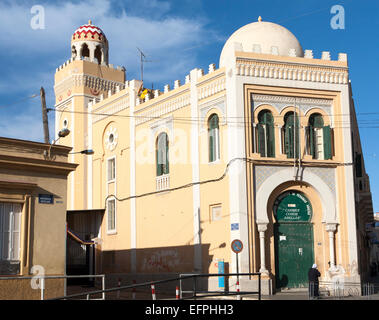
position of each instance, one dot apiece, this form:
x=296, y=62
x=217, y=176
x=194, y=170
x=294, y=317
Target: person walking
x=313, y=275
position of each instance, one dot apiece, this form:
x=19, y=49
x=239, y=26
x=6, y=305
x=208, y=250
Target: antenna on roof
x=143, y=59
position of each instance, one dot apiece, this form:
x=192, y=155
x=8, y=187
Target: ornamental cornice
x=259, y=98
x=89, y=81
x=292, y=71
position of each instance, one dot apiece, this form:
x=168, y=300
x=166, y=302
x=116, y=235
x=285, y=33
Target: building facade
x=264, y=149
x=33, y=189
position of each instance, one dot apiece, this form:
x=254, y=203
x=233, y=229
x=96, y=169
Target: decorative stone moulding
x=211, y=88
x=288, y=72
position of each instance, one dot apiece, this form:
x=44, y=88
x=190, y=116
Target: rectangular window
x=216, y=212
x=111, y=169
x=111, y=210
x=10, y=223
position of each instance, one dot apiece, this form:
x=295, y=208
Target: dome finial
x=259, y=19
x=90, y=21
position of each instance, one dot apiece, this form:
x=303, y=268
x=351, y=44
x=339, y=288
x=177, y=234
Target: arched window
x=266, y=134
x=291, y=135
x=98, y=54
x=213, y=138
x=84, y=52
x=319, y=138
x=73, y=53
x=162, y=154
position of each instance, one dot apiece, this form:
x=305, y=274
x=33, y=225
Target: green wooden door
x=293, y=254
x=293, y=234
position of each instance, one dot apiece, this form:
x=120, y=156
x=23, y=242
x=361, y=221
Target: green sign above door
x=292, y=206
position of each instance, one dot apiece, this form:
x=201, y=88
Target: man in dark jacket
x=313, y=275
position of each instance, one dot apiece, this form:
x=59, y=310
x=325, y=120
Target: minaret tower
x=86, y=77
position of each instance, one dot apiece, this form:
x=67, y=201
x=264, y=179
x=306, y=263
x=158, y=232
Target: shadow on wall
x=153, y=264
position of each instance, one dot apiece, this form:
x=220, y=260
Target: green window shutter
x=162, y=154
x=159, y=166
x=261, y=140
x=312, y=149
x=212, y=140
x=307, y=140
x=327, y=143
x=297, y=137
x=211, y=147
x=288, y=141
x=289, y=132
x=266, y=134
x=166, y=168
x=271, y=140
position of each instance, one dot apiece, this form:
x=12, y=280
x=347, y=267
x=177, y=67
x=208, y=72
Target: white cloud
x=33, y=55
x=163, y=37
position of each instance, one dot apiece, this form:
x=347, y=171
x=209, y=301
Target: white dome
x=262, y=37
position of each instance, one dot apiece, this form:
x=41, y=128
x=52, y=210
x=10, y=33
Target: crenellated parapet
x=208, y=84
x=88, y=59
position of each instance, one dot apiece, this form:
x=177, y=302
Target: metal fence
x=149, y=289
x=197, y=291
x=342, y=290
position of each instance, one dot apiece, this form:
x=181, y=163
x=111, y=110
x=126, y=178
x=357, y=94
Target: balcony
x=162, y=182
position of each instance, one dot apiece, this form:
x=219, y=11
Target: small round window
x=111, y=138
x=65, y=123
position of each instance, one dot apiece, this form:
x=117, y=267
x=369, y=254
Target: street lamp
x=88, y=152
x=61, y=134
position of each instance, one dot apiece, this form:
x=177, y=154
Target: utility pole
x=44, y=116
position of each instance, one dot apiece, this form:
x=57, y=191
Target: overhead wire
x=243, y=120
x=20, y=100
x=191, y=184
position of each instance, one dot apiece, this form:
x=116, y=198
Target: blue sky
x=178, y=36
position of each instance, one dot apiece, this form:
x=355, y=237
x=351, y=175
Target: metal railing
x=196, y=293
x=342, y=290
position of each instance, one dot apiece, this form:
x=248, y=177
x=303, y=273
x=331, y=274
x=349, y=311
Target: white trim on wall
x=195, y=170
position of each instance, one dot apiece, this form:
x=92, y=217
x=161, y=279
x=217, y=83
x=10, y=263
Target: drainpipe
x=294, y=141
x=299, y=140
